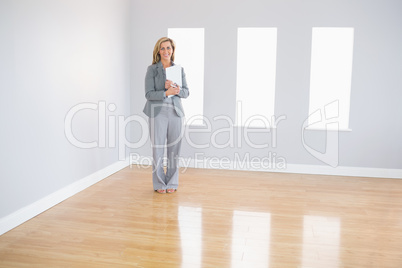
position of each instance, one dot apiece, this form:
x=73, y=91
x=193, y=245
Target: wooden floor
x=217, y=219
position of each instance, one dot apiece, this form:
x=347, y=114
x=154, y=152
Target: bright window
x=190, y=55
x=256, y=71
x=330, y=77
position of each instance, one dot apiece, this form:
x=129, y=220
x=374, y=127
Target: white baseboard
x=24, y=214
x=215, y=163
x=345, y=171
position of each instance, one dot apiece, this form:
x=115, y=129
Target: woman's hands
x=172, y=89
x=168, y=84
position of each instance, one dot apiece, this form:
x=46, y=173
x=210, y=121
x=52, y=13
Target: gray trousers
x=165, y=131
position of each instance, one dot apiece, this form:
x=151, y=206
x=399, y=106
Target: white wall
x=53, y=56
x=376, y=113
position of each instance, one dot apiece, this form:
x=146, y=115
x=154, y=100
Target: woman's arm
x=184, y=92
x=150, y=91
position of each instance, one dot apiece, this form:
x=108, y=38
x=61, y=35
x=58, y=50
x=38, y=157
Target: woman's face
x=166, y=50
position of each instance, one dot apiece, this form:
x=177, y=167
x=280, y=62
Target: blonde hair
x=157, y=48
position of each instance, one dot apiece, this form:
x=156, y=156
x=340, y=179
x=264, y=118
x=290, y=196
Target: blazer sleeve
x=184, y=92
x=150, y=91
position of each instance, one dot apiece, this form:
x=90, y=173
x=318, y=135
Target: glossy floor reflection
x=217, y=219
x=190, y=225
x=250, y=238
x=321, y=241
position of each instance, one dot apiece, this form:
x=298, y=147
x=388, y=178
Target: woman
x=165, y=112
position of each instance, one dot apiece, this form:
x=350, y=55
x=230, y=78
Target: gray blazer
x=155, y=91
